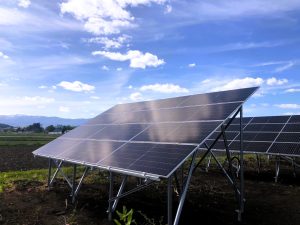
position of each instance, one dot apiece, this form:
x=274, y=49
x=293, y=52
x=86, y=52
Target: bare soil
x=210, y=200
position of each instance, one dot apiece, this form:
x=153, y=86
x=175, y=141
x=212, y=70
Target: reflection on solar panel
x=269, y=135
x=151, y=137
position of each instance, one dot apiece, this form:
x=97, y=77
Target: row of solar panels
x=268, y=135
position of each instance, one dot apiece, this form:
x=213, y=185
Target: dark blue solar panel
x=92, y=143
x=295, y=119
x=192, y=132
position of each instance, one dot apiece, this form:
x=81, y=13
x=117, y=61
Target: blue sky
x=77, y=58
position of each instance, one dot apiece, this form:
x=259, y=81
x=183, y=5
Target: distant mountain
x=3, y=126
x=24, y=120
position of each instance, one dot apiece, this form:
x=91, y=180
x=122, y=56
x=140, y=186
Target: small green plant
x=125, y=217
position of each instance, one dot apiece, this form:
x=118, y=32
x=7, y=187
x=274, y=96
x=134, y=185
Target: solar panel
x=179, y=132
x=288, y=137
x=152, y=137
x=295, y=119
x=267, y=134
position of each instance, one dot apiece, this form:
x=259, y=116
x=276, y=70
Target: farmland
x=25, y=199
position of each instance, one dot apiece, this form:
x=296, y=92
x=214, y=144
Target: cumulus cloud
x=274, y=81
x=164, y=88
x=76, y=86
x=119, y=69
x=109, y=43
x=43, y=87
x=24, y=3
x=3, y=56
x=136, y=96
x=240, y=83
x=191, y=65
x=64, y=109
x=104, y=17
x=288, y=106
x=137, y=59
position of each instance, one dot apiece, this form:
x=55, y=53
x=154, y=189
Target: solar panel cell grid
x=284, y=148
x=158, y=121
x=90, y=151
x=278, y=119
x=84, y=131
x=119, y=132
x=295, y=119
x=292, y=128
x=289, y=137
x=272, y=127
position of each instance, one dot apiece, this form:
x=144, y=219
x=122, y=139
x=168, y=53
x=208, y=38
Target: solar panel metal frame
x=150, y=175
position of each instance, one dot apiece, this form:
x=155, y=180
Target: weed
x=125, y=217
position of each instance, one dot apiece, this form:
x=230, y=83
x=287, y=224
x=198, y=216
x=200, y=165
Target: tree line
x=38, y=128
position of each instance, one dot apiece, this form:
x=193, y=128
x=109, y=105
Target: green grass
x=7, y=179
x=13, y=139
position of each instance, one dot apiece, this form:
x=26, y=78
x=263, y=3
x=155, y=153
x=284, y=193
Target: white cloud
x=137, y=59
x=205, y=81
x=43, y=87
x=64, y=109
x=109, y=43
x=24, y=3
x=240, y=83
x=246, y=45
x=119, y=69
x=288, y=106
x=293, y=90
x=168, y=9
x=164, y=88
x=274, y=81
x=3, y=56
x=76, y=86
x=130, y=87
x=191, y=65
x=104, y=68
x=207, y=10
x=104, y=17
x=284, y=67
x=136, y=96
x=95, y=97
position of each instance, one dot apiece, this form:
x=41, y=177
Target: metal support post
x=111, y=186
x=74, y=180
x=228, y=155
x=258, y=163
x=294, y=167
x=184, y=191
x=208, y=163
x=277, y=169
x=170, y=201
x=242, y=200
x=49, y=174
x=177, y=187
x=116, y=201
x=79, y=184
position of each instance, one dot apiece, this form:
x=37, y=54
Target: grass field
x=13, y=139
x=25, y=199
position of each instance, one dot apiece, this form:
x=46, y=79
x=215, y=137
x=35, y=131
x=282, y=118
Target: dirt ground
x=210, y=201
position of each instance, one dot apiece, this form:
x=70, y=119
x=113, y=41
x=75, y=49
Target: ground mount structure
x=152, y=140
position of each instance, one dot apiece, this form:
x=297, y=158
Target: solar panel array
x=269, y=135
x=151, y=137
